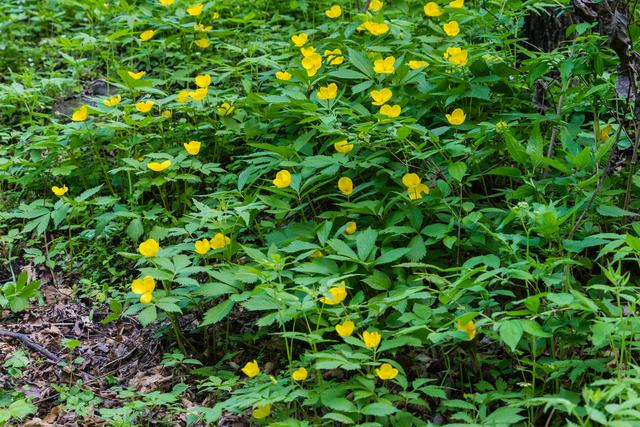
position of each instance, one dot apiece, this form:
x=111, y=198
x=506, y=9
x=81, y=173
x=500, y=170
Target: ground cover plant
x=301, y=213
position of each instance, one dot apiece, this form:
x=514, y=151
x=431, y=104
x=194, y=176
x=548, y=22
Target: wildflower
x=300, y=374
x=159, y=166
x=371, y=339
x=312, y=63
x=183, y=96
x=112, y=101
x=306, y=51
x=414, y=185
x=451, y=28
x=431, y=9
x=215, y=16
x=167, y=2
x=144, y=106
x=202, y=246
x=273, y=379
x=147, y=35
x=351, y=227
x=283, y=75
x=226, y=109
x=192, y=147
x=167, y=114
x=380, y=97
x=199, y=94
x=456, y=56
x=202, y=43
x=262, y=411
x=59, y=191
x=144, y=287
x=317, y=254
x=195, y=9
x=411, y=180
x=251, y=369
x=338, y=294
x=457, y=4
x=203, y=80
x=334, y=12
x=343, y=146
x=345, y=185
x=390, y=110
x=328, y=92
x=136, y=76
x=603, y=135
x=386, y=372
x=345, y=329
x=80, y=114
x=375, y=5
x=376, y=28
x=415, y=64
x=219, y=241
x=456, y=117
x=384, y=66
x=299, y=39
x=501, y=125
x=468, y=328
x=334, y=57
x=201, y=28
x=149, y=248
x=283, y=179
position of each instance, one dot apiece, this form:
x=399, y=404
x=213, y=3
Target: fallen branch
x=31, y=344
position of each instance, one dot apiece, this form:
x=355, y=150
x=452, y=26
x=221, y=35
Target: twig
x=31, y=344
x=554, y=131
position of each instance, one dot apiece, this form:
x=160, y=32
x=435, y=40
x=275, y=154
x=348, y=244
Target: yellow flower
x=501, y=125
x=334, y=12
x=386, y=372
x=375, y=5
x=603, y=135
x=456, y=117
x=376, y=28
x=371, y=339
x=299, y=39
x=390, y=110
x=411, y=180
x=147, y=35
x=262, y=411
x=251, y=369
x=468, y=328
x=80, y=114
x=345, y=185
x=136, y=76
x=192, y=147
x=202, y=43
x=451, y=28
x=199, y=94
x=432, y=9
x=312, y=63
x=215, y=16
x=334, y=57
x=60, y=191
x=144, y=287
x=317, y=254
x=226, y=109
x=351, y=227
x=380, y=97
x=457, y=4
x=283, y=75
x=328, y=92
x=306, y=51
x=283, y=179
x=384, y=66
x=203, y=80
x=183, y=96
x=219, y=241
x=167, y=2
x=345, y=329
x=167, y=114
x=159, y=166
x=414, y=65
x=343, y=147
x=416, y=192
x=112, y=101
x=202, y=246
x=149, y=247
x=456, y=56
x=195, y=9
x=300, y=374
x=201, y=28
x=338, y=294
x=144, y=106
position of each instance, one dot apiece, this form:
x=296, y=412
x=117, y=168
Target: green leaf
x=379, y=409
x=217, y=313
x=533, y=328
x=148, y=315
x=510, y=333
x=365, y=243
x=361, y=62
x=457, y=170
x=391, y=255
